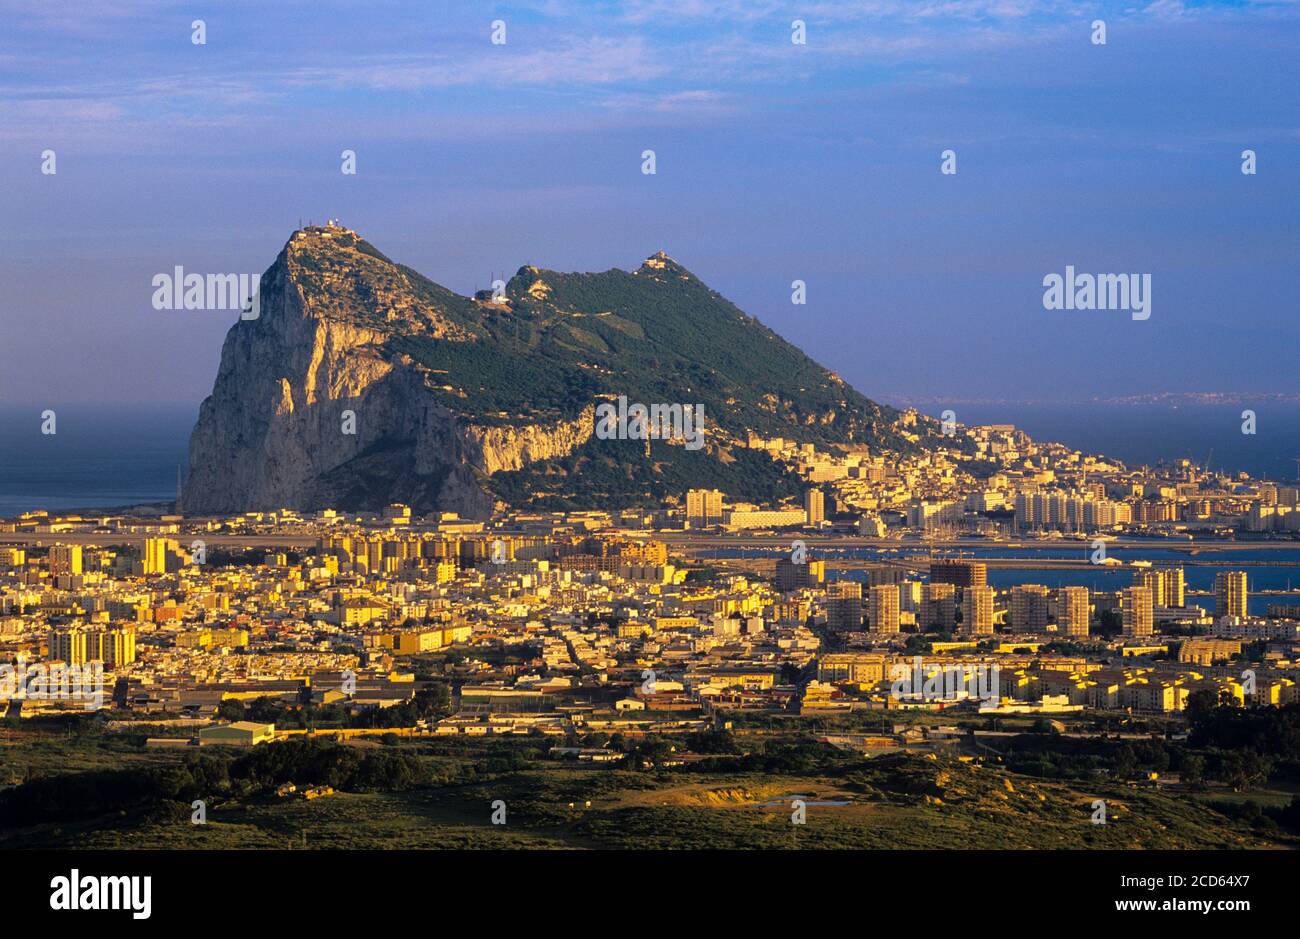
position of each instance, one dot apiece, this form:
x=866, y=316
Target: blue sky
x=775, y=162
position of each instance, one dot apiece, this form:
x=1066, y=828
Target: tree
x=1242, y=769
x=1124, y=761
x=1200, y=703
x=231, y=710
x=1193, y=771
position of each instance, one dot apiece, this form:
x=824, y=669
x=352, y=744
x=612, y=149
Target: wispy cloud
x=657, y=58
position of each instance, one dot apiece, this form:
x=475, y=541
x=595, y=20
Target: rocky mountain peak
x=364, y=383
x=660, y=265
x=340, y=276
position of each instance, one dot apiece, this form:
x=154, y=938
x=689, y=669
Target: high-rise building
x=155, y=554
x=977, y=610
x=959, y=573
x=1230, y=593
x=909, y=596
x=1153, y=582
x=703, y=507
x=1072, y=611
x=1167, y=584
x=791, y=575
x=1175, y=586
x=885, y=575
x=65, y=559
x=1025, y=510
x=882, y=608
x=1137, y=610
x=844, y=605
x=814, y=506
x=938, y=607
x=1029, y=608
x=114, y=647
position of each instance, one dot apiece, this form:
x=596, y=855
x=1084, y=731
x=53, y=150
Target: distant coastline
x=1140, y=431
x=1173, y=398
x=117, y=456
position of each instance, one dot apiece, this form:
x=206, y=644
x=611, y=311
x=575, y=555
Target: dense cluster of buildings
x=996, y=480
x=565, y=622
x=629, y=621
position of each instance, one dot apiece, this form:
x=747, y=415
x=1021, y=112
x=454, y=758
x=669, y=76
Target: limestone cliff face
x=312, y=407
x=494, y=449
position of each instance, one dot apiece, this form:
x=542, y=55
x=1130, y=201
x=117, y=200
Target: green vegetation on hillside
x=656, y=336
x=612, y=474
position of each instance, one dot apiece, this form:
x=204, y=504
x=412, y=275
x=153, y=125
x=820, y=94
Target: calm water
x=1150, y=433
x=1267, y=568
x=99, y=456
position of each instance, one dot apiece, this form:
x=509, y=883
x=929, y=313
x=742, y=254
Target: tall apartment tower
x=1072, y=611
x=909, y=596
x=703, y=507
x=1153, y=582
x=1029, y=608
x=1175, y=586
x=155, y=555
x=792, y=575
x=65, y=559
x=1168, y=585
x=959, y=573
x=1230, y=593
x=814, y=506
x=116, y=647
x=938, y=606
x=1137, y=609
x=882, y=608
x=977, y=610
x=1024, y=510
x=844, y=605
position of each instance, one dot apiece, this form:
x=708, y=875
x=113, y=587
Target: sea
x=1272, y=569
x=1151, y=433
x=99, y=456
